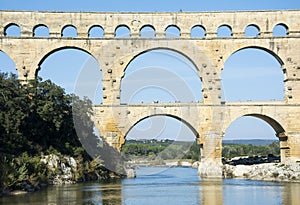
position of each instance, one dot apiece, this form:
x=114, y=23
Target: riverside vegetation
x=36, y=123
x=157, y=151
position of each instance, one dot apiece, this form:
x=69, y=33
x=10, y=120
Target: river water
x=161, y=185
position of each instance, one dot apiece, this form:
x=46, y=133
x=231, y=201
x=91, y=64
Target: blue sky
x=148, y=5
x=242, y=128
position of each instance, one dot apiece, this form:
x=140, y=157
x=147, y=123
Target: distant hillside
x=250, y=141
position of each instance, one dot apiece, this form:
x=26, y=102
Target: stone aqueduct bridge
x=208, y=119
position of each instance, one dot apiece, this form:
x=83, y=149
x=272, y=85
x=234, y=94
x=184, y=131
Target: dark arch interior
x=160, y=75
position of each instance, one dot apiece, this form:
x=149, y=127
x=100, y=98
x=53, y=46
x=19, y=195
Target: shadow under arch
x=165, y=115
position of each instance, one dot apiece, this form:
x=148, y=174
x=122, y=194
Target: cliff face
x=267, y=172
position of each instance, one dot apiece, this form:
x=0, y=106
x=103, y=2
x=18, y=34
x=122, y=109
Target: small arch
x=252, y=31
x=198, y=32
x=12, y=30
x=147, y=31
x=96, y=32
x=69, y=31
x=172, y=31
x=224, y=31
x=280, y=30
x=122, y=31
x=41, y=30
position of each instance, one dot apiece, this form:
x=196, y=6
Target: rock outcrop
x=267, y=172
x=64, y=169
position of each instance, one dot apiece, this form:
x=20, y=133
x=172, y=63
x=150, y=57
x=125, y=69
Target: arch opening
x=7, y=65
x=160, y=76
x=122, y=31
x=41, y=31
x=198, y=32
x=12, y=30
x=69, y=31
x=75, y=70
x=224, y=31
x=244, y=145
x=280, y=30
x=172, y=32
x=96, y=32
x=252, y=74
x=157, y=138
x=147, y=32
x=252, y=31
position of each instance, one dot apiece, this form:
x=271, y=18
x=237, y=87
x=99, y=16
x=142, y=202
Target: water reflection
x=291, y=194
x=211, y=192
x=164, y=186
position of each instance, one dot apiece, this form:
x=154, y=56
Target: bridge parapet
x=265, y=21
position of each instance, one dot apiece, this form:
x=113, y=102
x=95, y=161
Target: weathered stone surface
x=209, y=118
x=66, y=170
x=267, y=172
x=130, y=173
x=210, y=169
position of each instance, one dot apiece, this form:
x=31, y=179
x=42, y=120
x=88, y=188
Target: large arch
x=162, y=48
x=165, y=68
x=274, y=123
x=263, y=65
x=87, y=76
x=273, y=129
x=277, y=57
x=53, y=50
x=165, y=115
x=7, y=64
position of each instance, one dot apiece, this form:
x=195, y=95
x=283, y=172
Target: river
x=161, y=185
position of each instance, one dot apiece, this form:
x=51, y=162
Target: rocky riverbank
x=58, y=170
x=266, y=172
